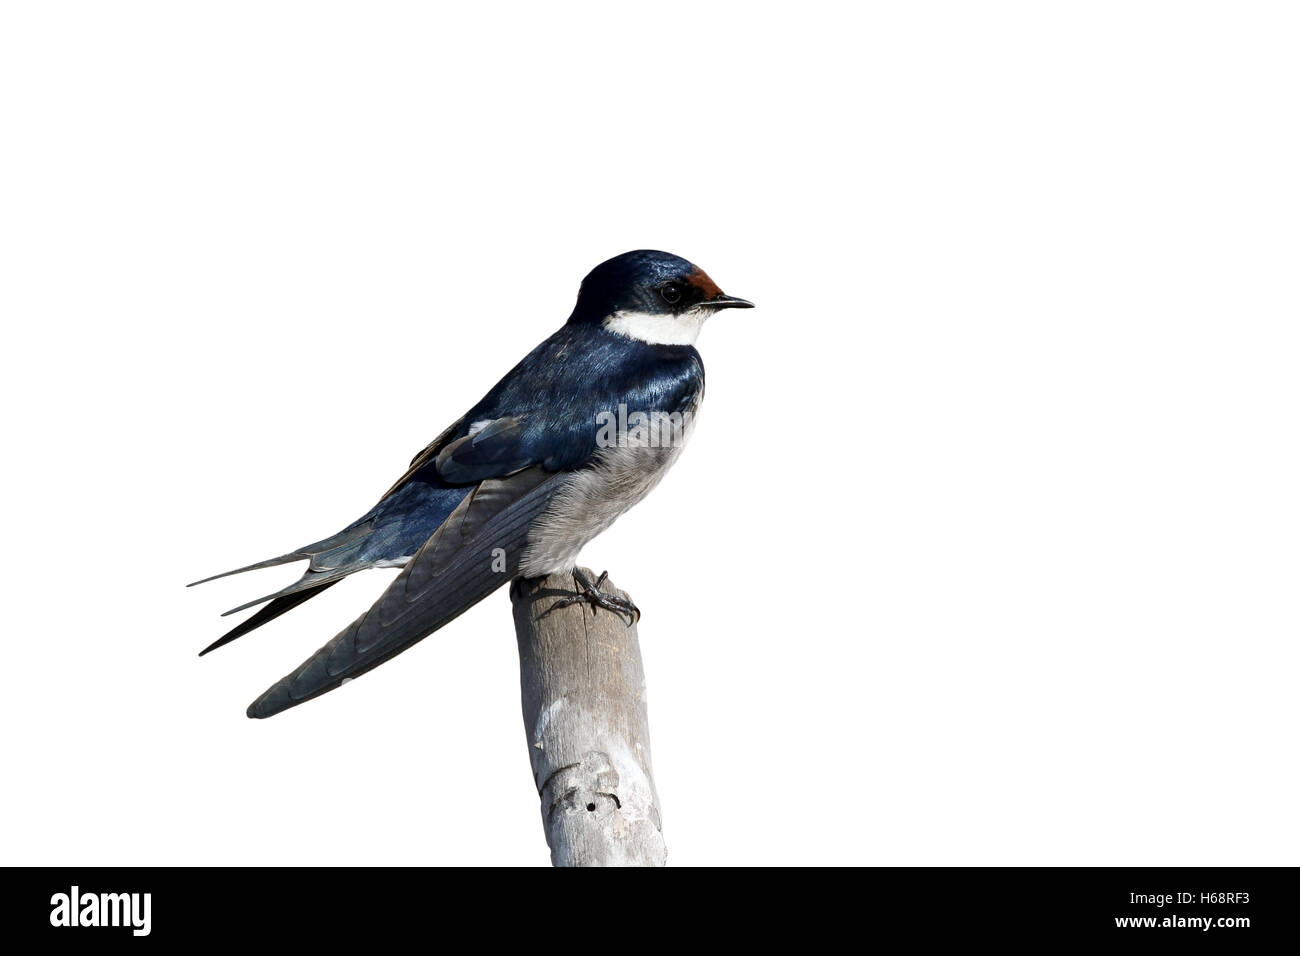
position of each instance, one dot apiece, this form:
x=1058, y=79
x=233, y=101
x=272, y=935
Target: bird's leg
x=591, y=593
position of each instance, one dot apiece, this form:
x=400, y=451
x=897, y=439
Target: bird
x=583, y=428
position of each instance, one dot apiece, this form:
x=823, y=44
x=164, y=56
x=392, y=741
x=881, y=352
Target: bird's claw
x=589, y=592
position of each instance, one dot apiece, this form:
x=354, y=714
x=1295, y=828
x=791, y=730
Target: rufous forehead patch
x=701, y=281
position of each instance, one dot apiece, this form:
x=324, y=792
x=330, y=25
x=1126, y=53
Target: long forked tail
x=313, y=582
x=454, y=570
x=269, y=613
x=268, y=563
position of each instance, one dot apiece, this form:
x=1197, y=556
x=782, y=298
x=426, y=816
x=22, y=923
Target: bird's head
x=652, y=296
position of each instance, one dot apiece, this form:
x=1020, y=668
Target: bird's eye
x=672, y=293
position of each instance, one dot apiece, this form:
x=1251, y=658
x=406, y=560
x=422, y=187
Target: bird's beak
x=721, y=301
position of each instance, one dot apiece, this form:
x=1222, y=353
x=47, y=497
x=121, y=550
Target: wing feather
x=453, y=571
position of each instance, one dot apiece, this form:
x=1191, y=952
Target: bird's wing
x=472, y=553
x=458, y=567
x=426, y=454
x=395, y=527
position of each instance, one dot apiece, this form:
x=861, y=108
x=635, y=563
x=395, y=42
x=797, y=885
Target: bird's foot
x=589, y=592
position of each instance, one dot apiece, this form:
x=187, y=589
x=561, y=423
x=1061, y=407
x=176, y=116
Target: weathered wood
x=588, y=735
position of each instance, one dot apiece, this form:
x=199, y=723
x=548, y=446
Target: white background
x=985, y=550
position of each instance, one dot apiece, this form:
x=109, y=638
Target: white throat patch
x=658, y=329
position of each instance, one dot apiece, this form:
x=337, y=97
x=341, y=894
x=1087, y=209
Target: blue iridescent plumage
x=485, y=483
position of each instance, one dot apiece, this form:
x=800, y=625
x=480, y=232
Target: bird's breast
x=629, y=461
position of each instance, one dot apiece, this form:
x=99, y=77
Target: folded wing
x=475, y=551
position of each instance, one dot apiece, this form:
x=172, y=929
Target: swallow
x=573, y=436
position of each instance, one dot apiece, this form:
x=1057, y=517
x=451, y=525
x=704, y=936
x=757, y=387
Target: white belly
x=592, y=500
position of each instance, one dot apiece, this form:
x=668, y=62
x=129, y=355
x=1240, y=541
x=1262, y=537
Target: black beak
x=728, y=302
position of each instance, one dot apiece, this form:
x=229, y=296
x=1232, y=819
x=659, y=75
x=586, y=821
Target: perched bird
x=517, y=485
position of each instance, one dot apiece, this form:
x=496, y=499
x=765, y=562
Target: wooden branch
x=588, y=735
